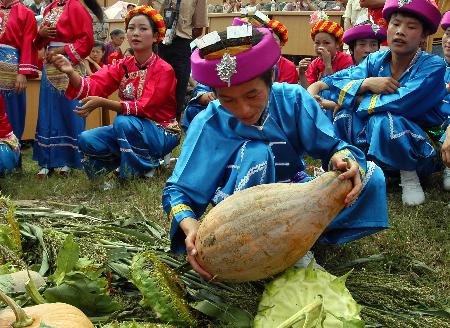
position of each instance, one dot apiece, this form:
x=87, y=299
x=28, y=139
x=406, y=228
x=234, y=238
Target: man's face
x=245, y=101
x=405, y=34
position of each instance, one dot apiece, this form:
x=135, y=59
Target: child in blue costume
x=389, y=93
x=445, y=24
x=257, y=133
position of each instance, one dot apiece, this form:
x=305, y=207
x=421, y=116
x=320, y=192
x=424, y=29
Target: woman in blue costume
x=258, y=133
x=390, y=94
x=445, y=24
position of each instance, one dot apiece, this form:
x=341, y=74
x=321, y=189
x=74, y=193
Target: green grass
x=416, y=246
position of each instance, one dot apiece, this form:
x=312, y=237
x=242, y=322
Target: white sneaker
x=43, y=173
x=446, y=179
x=63, y=171
x=305, y=260
x=167, y=159
x=412, y=192
x=149, y=174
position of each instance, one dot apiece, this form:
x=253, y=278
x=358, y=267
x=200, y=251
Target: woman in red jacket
x=145, y=128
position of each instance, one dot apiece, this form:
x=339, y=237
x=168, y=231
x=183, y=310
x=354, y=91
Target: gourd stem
x=302, y=314
x=32, y=291
x=22, y=319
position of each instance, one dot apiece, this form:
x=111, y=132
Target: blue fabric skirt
x=15, y=103
x=58, y=128
x=134, y=145
x=253, y=165
x=16, y=110
x=9, y=159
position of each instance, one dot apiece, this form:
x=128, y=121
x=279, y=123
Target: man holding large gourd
x=257, y=132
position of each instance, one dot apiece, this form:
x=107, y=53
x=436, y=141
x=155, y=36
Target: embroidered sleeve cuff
x=28, y=69
x=348, y=94
x=369, y=103
x=348, y=154
x=72, y=53
x=180, y=212
x=177, y=214
x=130, y=108
x=81, y=92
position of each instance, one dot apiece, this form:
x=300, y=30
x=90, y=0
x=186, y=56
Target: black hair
x=131, y=5
x=99, y=44
x=425, y=26
x=116, y=31
x=95, y=8
x=267, y=77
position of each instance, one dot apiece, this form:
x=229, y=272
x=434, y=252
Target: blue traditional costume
x=58, y=127
x=194, y=107
x=9, y=144
x=271, y=151
x=391, y=128
x=398, y=131
x=445, y=107
x=146, y=129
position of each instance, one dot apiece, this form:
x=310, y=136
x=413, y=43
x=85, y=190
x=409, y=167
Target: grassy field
x=417, y=245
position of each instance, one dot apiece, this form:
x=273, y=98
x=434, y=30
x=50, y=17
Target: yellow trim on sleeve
x=372, y=104
x=177, y=209
x=344, y=92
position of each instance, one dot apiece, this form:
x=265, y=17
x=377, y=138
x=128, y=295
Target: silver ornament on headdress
x=375, y=28
x=401, y=3
x=226, y=68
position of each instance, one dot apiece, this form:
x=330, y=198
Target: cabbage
x=308, y=298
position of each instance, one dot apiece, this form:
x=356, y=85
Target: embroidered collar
x=9, y=5
x=61, y=2
x=263, y=118
x=148, y=63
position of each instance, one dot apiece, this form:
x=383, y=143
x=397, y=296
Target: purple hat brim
x=445, y=22
x=249, y=64
x=420, y=8
x=238, y=21
x=364, y=32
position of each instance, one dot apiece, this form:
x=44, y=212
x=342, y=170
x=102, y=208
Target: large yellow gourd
x=263, y=230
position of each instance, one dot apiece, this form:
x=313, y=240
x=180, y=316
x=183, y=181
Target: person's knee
x=375, y=179
x=7, y=160
x=124, y=125
x=85, y=142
